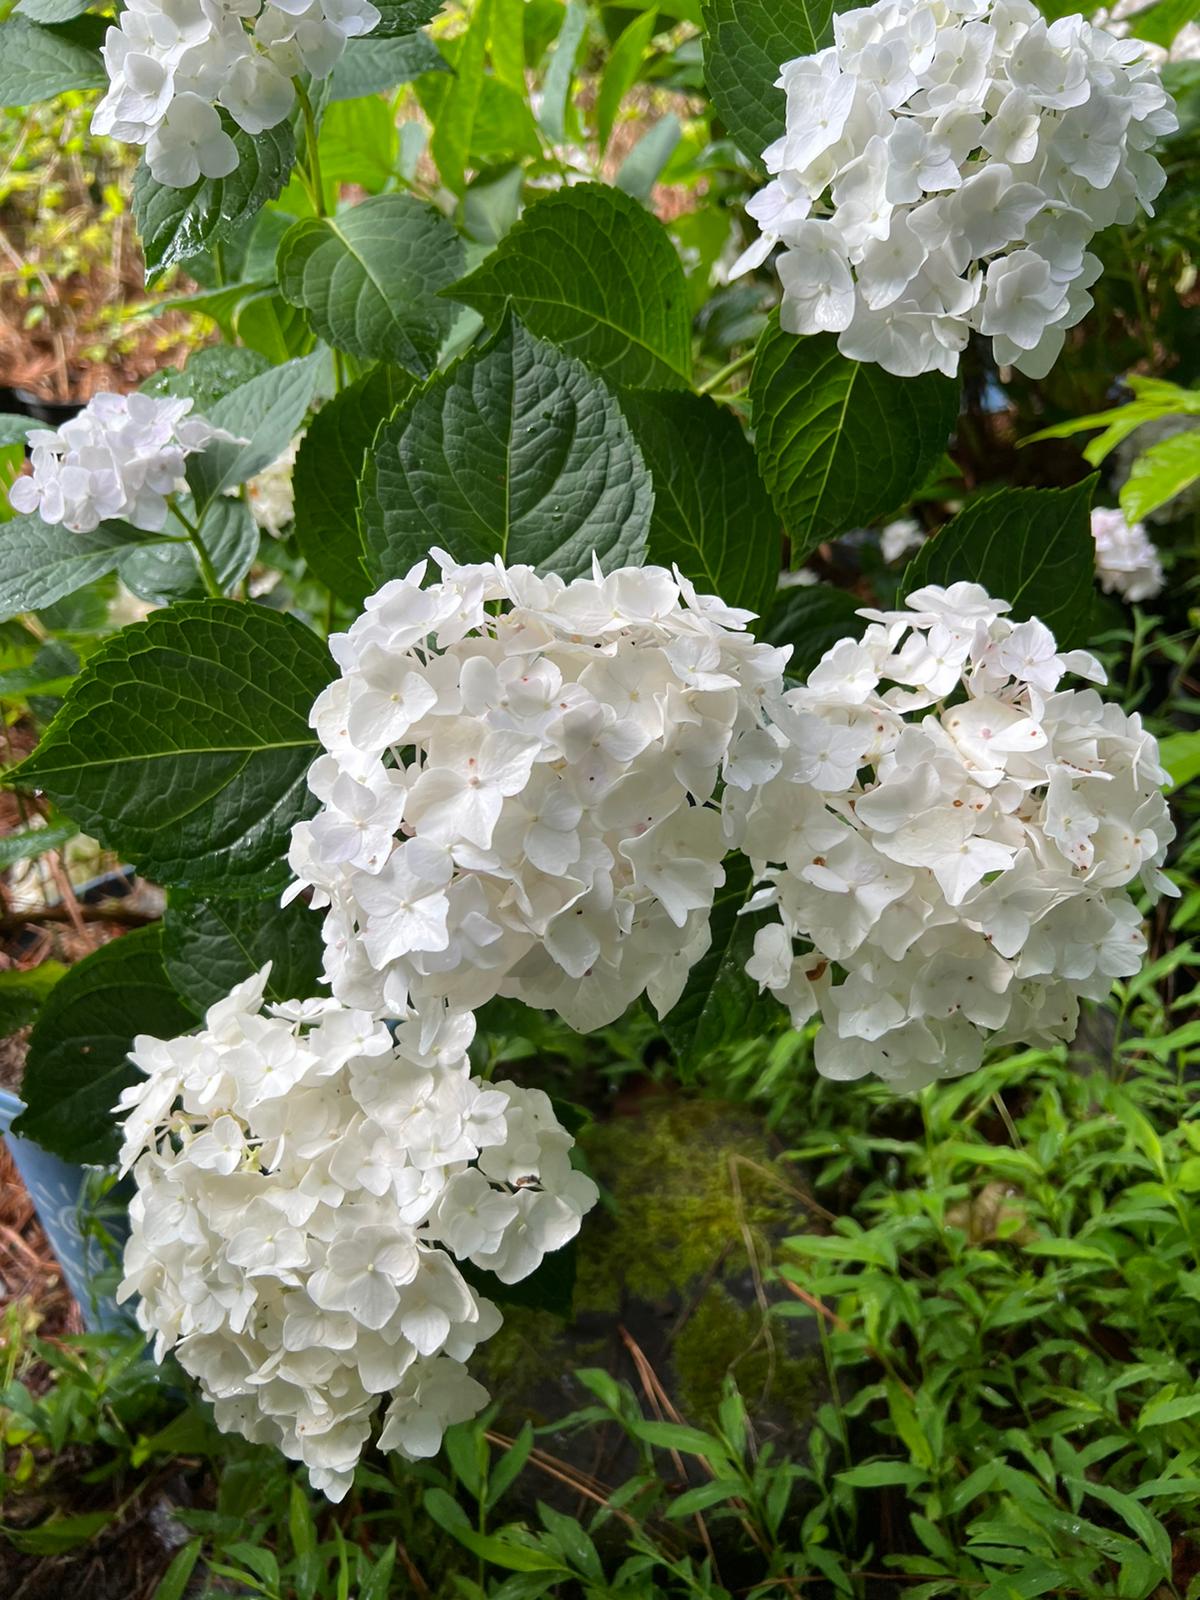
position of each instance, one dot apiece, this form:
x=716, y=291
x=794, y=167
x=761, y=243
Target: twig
x=122, y=916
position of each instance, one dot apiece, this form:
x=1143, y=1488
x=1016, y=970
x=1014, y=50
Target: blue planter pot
x=82, y=1224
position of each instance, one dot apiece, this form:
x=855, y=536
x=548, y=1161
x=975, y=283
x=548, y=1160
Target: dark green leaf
x=210, y=374
x=592, y=271
x=369, y=279
x=175, y=224
x=174, y=1582
x=38, y=63
x=812, y=619
x=210, y=945
x=78, y=1050
x=41, y=562
x=263, y=416
x=404, y=16
x=1031, y=547
x=518, y=451
x=720, y=1004
x=161, y=573
x=841, y=443
x=331, y=459
x=551, y=1288
x=746, y=42
x=371, y=65
x=712, y=515
x=184, y=743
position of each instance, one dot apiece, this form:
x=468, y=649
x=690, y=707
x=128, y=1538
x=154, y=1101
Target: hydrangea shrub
x=494, y=711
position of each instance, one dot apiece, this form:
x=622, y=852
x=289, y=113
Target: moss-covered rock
x=694, y=1203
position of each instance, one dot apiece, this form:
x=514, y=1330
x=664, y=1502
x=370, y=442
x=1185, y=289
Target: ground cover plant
x=600, y=856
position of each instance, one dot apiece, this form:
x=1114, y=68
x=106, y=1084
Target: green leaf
x=78, y=1050
x=161, y=573
x=592, y=271
x=518, y=451
x=38, y=63
x=174, y=1582
x=1031, y=547
x=621, y=71
x=454, y=108
x=745, y=44
x=13, y=429
x=550, y=1288
x=50, y=10
x=1159, y=24
x=359, y=144
x=330, y=459
x=556, y=86
x=883, y=1475
x=26, y=844
x=841, y=443
x=1160, y=473
x=209, y=945
x=22, y=994
x=40, y=562
x=176, y=224
x=183, y=745
x=712, y=515
x=1165, y=1409
x=678, y=1436
x=1180, y=755
x=57, y=1535
x=210, y=374
x=263, y=417
x=369, y=66
x=369, y=279
x=812, y=618
x=705, y=1496
x=643, y=166
x=446, y=1512
x=404, y=16
x=720, y=1003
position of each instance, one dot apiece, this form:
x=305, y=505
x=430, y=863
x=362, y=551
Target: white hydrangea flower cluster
x=1126, y=559
x=305, y=1186
x=119, y=458
x=517, y=797
x=955, y=878
x=171, y=63
x=945, y=165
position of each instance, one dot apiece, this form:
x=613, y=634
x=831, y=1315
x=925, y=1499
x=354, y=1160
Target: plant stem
x=312, y=153
x=208, y=572
x=718, y=378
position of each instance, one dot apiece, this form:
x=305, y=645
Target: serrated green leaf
x=1031, y=547
x=330, y=458
x=210, y=374
x=369, y=279
x=176, y=224
x=209, y=945
x=593, y=272
x=78, y=1050
x=712, y=514
x=841, y=443
x=37, y=63
x=184, y=743
x=518, y=451
x=403, y=16
x=372, y=65
x=40, y=562
x=745, y=44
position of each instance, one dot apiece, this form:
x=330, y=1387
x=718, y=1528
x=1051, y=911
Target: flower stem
x=208, y=572
x=718, y=378
x=312, y=153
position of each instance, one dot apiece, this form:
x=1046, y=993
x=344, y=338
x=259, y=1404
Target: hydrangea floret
x=944, y=167
x=1127, y=562
x=172, y=63
x=948, y=840
x=119, y=458
x=519, y=791
x=307, y=1186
